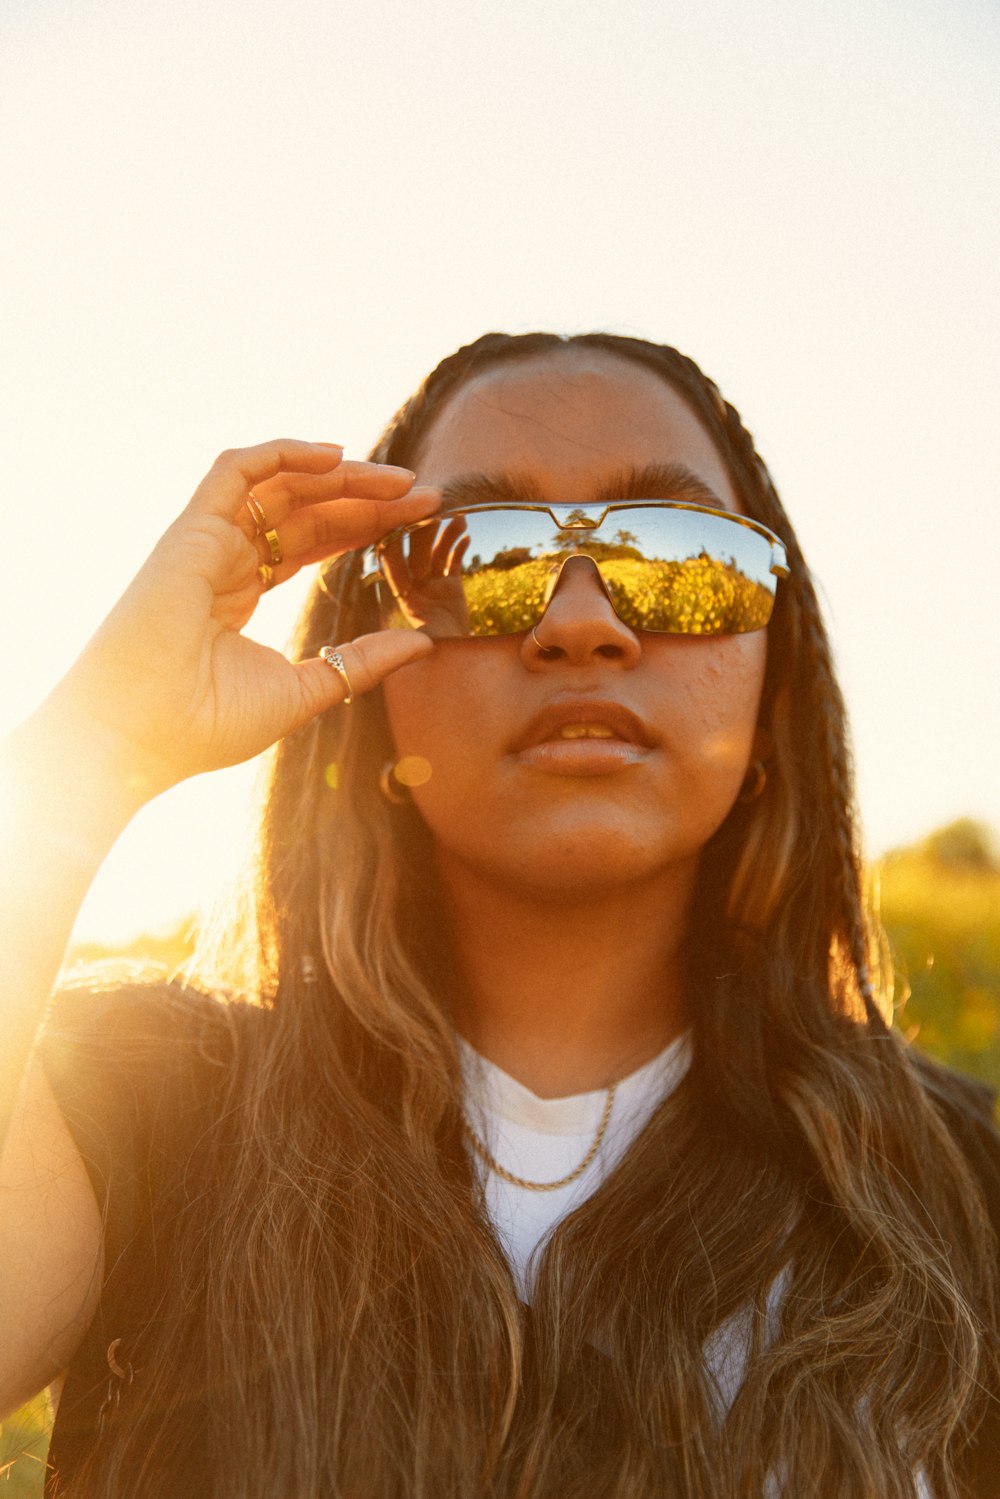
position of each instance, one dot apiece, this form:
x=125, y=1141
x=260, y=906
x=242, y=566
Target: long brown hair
x=342, y=1294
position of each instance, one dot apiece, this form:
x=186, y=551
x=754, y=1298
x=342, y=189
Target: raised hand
x=169, y=680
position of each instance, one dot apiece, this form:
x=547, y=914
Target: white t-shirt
x=544, y=1139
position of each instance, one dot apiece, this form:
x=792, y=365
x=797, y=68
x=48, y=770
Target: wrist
x=70, y=783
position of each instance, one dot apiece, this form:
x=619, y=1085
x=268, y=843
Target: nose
x=579, y=624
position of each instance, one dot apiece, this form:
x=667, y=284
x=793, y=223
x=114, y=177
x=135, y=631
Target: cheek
x=437, y=718
x=406, y=711
x=415, y=717
x=717, y=702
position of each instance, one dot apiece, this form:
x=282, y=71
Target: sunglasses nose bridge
x=578, y=605
x=578, y=561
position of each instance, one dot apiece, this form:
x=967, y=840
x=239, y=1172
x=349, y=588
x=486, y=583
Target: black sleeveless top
x=138, y=1075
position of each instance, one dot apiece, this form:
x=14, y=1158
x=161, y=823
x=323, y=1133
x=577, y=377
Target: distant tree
x=963, y=844
x=940, y=905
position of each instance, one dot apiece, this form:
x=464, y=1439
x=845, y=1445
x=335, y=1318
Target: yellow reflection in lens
x=701, y=595
x=412, y=770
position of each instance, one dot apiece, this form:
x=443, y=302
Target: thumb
x=352, y=669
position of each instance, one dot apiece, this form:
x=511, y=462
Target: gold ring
x=271, y=537
x=335, y=659
x=266, y=575
x=256, y=513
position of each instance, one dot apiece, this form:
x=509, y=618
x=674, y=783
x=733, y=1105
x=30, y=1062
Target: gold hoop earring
x=753, y=782
x=390, y=787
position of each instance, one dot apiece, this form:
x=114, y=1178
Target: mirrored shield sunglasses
x=485, y=570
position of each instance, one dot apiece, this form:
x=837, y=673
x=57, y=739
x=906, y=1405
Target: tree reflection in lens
x=435, y=586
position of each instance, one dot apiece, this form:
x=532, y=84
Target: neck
x=566, y=997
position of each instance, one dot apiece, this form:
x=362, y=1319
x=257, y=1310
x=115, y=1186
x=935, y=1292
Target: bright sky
x=224, y=220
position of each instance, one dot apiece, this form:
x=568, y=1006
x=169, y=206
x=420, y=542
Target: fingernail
x=394, y=468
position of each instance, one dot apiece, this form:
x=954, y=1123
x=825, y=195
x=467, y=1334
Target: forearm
x=170, y=687
x=66, y=792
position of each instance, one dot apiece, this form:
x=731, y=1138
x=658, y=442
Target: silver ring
x=256, y=513
x=543, y=648
x=333, y=658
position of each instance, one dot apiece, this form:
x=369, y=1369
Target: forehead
x=570, y=420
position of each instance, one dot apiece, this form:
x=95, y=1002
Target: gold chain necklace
x=564, y=1181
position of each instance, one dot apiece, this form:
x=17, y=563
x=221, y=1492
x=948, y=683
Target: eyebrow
x=650, y=481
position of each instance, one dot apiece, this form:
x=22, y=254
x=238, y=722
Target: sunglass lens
x=683, y=572
x=700, y=596
x=675, y=572
x=481, y=574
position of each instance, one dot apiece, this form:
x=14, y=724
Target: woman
x=566, y=1149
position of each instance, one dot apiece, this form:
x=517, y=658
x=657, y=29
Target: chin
x=594, y=864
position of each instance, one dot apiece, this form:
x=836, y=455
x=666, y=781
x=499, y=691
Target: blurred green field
x=940, y=905
x=23, y=1443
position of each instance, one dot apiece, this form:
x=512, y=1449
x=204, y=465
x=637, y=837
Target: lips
x=583, y=719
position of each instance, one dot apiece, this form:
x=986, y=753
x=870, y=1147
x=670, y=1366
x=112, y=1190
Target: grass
x=24, y=1441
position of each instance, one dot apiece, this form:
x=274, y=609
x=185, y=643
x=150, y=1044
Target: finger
x=275, y=499
x=422, y=547
x=367, y=662
x=346, y=525
x=292, y=491
x=458, y=553
x=395, y=568
x=444, y=547
x=225, y=487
